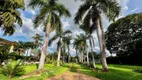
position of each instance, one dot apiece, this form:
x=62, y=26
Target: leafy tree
x=59, y=35
x=124, y=38
x=10, y=15
x=90, y=12
x=49, y=17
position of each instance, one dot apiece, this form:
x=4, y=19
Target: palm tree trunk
x=87, y=58
x=91, y=43
x=59, y=55
x=101, y=39
x=76, y=56
x=44, y=48
x=79, y=57
x=82, y=57
x=68, y=54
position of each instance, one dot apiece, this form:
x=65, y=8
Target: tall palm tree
x=59, y=36
x=49, y=17
x=37, y=40
x=88, y=31
x=10, y=15
x=91, y=10
x=81, y=45
x=66, y=44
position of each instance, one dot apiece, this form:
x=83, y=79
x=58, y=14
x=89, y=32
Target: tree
x=49, y=17
x=10, y=15
x=88, y=31
x=21, y=47
x=66, y=45
x=81, y=46
x=59, y=35
x=90, y=10
x=124, y=39
x=37, y=40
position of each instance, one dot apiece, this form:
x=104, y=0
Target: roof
x=4, y=42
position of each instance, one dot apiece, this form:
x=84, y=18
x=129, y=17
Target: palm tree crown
x=50, y=11
x=10, y=15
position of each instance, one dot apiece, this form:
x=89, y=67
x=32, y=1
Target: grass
x=116, y=72
x=52, y=71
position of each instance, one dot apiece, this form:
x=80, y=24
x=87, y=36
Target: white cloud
x=133, y=10
x=27, y=30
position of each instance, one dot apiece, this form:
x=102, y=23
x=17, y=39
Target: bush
x=12, y=68
x=138, y=70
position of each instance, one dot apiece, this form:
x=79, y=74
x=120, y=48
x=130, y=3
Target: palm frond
x=67, y=32
x=16, y=13
x=53, y=39
x=61, y=9
x=56, y=23
x=81, y=12
x=35, y=3
x=41, y=17
x=10, y=15
x=9, y=30
x=110, y=8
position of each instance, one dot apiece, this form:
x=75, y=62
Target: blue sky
x=25, y=32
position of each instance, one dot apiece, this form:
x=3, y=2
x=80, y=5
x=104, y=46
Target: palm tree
x=59, y=36
x=49, y=17
x=66, y=44
x=81, y=45
x=10, y=15
x=91, y=10
x=21, y=47
x=37, y=40
x=88, y=31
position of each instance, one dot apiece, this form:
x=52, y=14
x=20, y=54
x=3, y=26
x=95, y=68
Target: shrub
x=12, y=68
x=138, y=70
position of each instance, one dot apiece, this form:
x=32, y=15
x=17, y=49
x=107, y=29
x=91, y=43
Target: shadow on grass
x=113, y=73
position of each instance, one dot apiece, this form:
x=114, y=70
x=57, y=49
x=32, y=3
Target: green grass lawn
x=52, y=71
x=116, y=72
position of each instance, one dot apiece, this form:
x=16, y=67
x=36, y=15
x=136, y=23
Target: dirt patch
x=73, y=76
x=31, y=74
